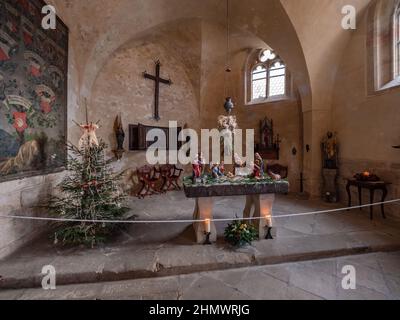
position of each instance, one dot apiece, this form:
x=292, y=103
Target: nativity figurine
x=258, y=167
x=221, y=168
x=215, y=171
x=274, y=176
x=198, y=166
x=238, y=163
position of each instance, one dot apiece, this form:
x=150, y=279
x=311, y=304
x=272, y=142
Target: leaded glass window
x=277, y=79
x=259, y=82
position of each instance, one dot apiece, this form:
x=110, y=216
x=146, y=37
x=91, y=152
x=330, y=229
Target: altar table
x=259, y=195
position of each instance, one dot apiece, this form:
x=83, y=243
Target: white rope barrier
x=193, y=221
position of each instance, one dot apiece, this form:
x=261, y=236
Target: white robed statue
x=227, y=126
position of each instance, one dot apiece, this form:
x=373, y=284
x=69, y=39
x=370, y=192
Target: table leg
x=263, y=209
x=360, y=197
x=202, y=211
x=384, y=194
x=372, y=194
x=250, y=202
x=348, y=193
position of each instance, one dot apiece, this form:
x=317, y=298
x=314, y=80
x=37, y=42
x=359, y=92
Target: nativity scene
x=193, y=150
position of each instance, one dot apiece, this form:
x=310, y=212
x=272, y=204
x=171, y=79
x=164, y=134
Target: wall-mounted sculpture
x=120, y=136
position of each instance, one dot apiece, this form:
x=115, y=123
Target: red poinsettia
x=20, y=121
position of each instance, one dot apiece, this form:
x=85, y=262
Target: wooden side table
x=372, y=187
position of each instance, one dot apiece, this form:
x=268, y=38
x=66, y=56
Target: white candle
x=208, y=225
x=268, y=219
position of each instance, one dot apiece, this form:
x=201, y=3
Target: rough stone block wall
x=20, y=197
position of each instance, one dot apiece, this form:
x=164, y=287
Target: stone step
x=138, y=262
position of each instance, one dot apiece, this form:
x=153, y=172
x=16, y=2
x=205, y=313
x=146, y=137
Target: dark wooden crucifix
x=157, y=78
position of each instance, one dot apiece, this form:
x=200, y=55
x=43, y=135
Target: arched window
x=277, y=79
x=383, y=44
x=396, y=40
x=259, y=82
x=268, y=77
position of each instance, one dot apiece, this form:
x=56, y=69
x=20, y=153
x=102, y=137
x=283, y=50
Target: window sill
x=392, y=84
x=269, y=100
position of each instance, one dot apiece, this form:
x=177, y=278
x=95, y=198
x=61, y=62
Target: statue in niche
x=267, y=134
x=330, y=151
x=120, y=137
x=119, y=132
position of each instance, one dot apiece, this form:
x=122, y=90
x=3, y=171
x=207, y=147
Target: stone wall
x=367, y=124
x=19, y=197
x=121, y=87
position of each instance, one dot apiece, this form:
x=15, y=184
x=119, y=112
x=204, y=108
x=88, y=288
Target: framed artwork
x=33, y=91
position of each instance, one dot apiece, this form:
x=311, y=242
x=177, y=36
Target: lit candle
x=366, y=174
x=268, y=220
x=208, y=225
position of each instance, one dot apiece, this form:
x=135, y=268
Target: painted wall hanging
x=33, y=91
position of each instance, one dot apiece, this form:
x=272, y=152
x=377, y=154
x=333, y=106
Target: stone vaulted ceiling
x=307, y=33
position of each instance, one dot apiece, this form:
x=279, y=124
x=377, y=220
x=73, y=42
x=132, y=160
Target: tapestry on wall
x=33, y=91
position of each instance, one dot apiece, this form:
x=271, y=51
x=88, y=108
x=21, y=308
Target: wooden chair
x=172, y=176
x=164, y=172
x=149, y=178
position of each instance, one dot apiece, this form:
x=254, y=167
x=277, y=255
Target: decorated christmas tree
x=90, y=191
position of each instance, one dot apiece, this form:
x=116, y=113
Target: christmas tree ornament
x=88, y=137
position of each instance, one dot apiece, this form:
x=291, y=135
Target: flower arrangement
x=240, y=234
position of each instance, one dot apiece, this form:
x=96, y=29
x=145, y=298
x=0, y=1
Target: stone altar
x=260, y=197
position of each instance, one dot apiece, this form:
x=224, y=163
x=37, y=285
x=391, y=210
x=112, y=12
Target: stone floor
x=377, y=278
x=146, y=251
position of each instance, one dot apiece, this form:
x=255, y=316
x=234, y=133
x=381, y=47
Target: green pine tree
x=89, y=191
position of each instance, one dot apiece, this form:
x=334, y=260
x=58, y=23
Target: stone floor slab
x=163, y=250
x=310, y=280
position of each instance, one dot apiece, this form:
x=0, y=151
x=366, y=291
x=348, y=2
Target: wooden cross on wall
x=157, y=78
